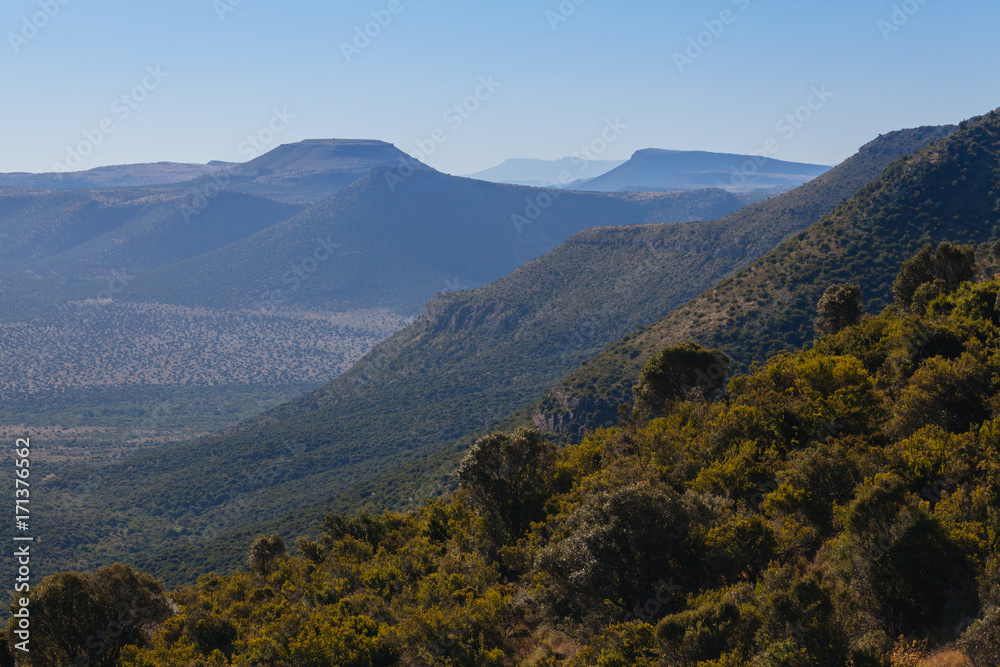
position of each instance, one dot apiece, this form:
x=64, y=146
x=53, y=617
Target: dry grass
x=946, y=658
x=914, y=654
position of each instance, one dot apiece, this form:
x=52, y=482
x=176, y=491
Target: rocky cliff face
x=566, y=412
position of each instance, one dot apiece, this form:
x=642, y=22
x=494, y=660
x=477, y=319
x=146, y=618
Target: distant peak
x=334, y=143
x=655, y=151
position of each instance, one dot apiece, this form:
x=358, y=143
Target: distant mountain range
x=654, y=169
x=233, y=238
x=247, y=267
x=80, y=234
x=546, y=173
x=387, y=432
x=118, y=176
x=373, y=245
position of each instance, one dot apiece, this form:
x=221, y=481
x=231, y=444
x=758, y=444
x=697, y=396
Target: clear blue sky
x=607, y=60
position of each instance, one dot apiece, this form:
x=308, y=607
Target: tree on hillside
x=625, y=546
x=927, y=275
x=839, y=308
x=505, y=475
x=678, y=373
x=88, y=619
x=264, y=551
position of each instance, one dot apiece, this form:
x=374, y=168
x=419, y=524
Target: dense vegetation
x=949, y=190
x=836, y=506
x=97, y=346
x=389, y=432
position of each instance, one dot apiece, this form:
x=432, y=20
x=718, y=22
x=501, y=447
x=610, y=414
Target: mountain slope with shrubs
x=389, y=432
x=949, y=190
x=837, y=506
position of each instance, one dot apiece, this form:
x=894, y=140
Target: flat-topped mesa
x=314, y=156
x=310, y=171
x=657, y=168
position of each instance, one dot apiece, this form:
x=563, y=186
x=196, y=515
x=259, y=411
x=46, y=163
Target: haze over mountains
x=214, y=284
x=471, y=359
x=395, y=245
x=117, y=176
x=545, y=173
x=83, y=234
x=655, y=169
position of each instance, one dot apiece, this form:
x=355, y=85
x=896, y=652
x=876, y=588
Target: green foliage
x=677, y=373
x=391, y=431
x=927, y=275
x=839, y=307
x=90, y=618
x=780, y=524
x=264, y=551
x=624, y=645
x=981, y=643
x=951, y=394
x=506, y=477
x=618, y=549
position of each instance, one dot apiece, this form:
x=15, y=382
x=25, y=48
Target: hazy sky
x=199, y=77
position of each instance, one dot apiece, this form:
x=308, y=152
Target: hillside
x=64, y=246
x=382, y=244
x=655, y=169
x=946, y=191
x=41, y=223
x=161, y=235
x=836, y=507
x=116, y=176
x=87, y=232
x=387, y=432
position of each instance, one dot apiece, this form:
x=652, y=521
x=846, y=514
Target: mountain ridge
x=400, y=243
x=114, y=176
x=770, y=303
x=655, y=168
